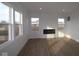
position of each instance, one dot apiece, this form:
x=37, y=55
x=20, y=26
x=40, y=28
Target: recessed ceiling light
x=63, y=10
x=40, y=8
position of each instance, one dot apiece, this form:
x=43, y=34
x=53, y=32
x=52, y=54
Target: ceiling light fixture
x=63, y=10
x=40, y=8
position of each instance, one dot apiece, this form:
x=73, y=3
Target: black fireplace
x=48, y=31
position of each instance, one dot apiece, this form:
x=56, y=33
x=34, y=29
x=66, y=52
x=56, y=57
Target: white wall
x=13, y=47
x=45, y=20
x=73, y=26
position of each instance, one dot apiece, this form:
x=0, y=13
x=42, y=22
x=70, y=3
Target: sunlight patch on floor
x=68, y=36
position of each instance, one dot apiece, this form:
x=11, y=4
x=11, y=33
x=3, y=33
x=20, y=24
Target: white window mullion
x=10, y=29
x=13, y=25
x=21, y=25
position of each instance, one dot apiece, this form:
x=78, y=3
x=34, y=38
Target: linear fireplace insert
x=48, y=31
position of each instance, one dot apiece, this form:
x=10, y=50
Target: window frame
x=35, y=24
x=20, y=24
x=11, y=26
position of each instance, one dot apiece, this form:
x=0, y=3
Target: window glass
x=18, y=23
x=60, y=20
x=4, y=22
x=35, y=24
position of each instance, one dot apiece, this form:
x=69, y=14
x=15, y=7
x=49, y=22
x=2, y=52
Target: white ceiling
x=52, y=7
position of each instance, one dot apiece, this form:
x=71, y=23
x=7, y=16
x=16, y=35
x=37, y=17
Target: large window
x=17, y=23
x=11, y=23
x=4, y=23
x=35, y=24
x=61, y=23
x=60, y=20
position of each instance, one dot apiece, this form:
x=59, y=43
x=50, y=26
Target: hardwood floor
x=50, y=47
